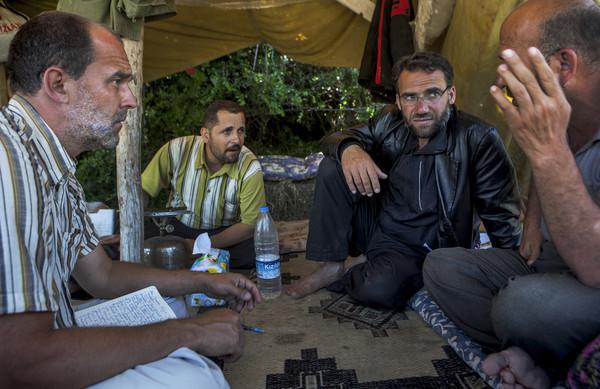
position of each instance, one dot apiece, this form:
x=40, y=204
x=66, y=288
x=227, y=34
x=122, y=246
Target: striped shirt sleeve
x=156, y=175
x=252, y=193
x=21, y=253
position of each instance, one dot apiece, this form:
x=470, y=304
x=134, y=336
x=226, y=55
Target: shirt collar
x=37, y=131
x=227, y=168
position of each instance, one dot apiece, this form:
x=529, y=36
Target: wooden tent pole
x=129, y=188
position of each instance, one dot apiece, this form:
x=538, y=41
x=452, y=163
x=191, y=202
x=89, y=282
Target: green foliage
x=289, y=107
x=96, y=171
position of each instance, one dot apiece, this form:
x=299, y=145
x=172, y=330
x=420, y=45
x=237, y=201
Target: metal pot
x=166, y=251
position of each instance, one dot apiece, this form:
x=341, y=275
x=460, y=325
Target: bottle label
x=268, y=267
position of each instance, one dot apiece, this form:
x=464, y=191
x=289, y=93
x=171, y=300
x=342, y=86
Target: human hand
x=360, y=171
x=237, y=290
x=540, y=119
x=531, y=241
x=221, y=334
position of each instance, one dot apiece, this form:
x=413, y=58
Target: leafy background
x=289, y=107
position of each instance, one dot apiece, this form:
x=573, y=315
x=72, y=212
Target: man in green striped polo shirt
x=217, y=178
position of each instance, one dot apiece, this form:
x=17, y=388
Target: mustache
x=121, y=116
x=423, y=116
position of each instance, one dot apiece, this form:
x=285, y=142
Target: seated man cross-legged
x=539, y=305
x=217, y=178
x=419, y=176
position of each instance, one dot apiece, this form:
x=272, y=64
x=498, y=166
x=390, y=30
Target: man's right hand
x=220, y=334
x=531, y=241
x=361, y=173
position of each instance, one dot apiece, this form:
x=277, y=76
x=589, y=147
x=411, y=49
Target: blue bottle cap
x=264, y=208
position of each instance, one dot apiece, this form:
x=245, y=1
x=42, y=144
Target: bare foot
x=350, y=262
x=328, y=273
x=516, y=368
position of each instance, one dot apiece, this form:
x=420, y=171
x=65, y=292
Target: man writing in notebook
x=70, y=77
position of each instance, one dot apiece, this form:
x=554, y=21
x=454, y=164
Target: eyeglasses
x=430, y=96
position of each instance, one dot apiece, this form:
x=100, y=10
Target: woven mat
x=327, y=340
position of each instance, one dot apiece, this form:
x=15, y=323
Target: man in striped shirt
x=70, y=77
x=217, y=178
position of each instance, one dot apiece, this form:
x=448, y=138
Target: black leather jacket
x=475, y=178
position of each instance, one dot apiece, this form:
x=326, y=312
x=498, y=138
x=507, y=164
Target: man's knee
x=189, y=374
x=181, y=369
x=441, y=266
x=530, y=313
x=385, y=290
x=329, y=170
x=523, y=306
x=557, y=303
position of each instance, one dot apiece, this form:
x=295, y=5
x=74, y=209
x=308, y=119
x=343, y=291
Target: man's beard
x=228, y=156
x=91, y=127
x=434, y=128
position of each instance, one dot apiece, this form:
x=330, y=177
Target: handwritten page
x=145, y=306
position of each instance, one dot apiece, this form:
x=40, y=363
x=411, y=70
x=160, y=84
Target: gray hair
x=577, y=28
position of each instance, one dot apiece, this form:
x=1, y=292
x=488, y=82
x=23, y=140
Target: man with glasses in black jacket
x=419, y=176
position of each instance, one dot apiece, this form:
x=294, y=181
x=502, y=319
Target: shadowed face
x=425, y=100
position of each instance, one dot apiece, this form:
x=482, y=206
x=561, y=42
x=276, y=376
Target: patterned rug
x=313, y=372
x=327, y=340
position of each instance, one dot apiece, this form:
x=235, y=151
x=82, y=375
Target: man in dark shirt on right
x=444, y=171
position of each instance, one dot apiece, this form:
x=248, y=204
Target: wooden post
x=129, y=187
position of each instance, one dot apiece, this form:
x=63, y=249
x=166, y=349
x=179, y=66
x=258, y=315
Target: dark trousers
x=241, y=255
x=343, y=224
x=499, y=301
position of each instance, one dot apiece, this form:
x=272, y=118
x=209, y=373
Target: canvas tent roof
x=316, y=32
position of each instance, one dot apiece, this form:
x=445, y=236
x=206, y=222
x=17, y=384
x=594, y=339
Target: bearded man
x=215, y=177
x=443, y=172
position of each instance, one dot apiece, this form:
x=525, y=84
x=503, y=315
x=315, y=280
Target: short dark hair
x=210, y=115
x=49, y=39
x=424, y=61
x=577, y=28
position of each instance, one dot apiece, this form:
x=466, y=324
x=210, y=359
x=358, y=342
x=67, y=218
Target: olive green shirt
x=228, y=196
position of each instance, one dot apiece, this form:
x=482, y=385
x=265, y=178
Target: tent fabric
x=432, y=19
x=323, y=33
x=318, y=32
x=125, y=17
x=471, y=44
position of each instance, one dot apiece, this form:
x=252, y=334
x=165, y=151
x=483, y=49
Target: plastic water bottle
x=266, y=243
